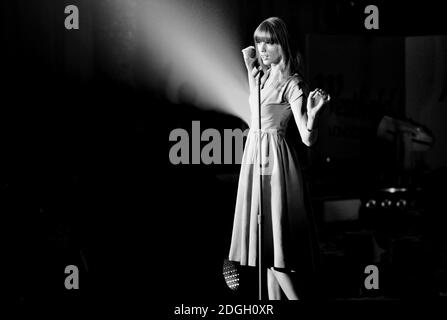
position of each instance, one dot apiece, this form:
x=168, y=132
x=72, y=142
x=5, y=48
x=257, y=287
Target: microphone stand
x=260, y=189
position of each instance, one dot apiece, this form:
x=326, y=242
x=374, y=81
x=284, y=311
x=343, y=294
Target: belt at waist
x=272, y=131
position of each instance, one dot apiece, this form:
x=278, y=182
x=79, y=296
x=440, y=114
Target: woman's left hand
x=315, y=101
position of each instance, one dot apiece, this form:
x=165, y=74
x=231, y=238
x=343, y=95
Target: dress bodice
x=275, y=104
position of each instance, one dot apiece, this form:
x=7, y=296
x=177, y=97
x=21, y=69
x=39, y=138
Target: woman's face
x=270, y=53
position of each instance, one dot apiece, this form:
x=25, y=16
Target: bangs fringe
x=273, y=30
x=265, y=33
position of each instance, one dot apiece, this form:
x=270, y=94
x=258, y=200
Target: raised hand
x=315, y=101
x=250, y=60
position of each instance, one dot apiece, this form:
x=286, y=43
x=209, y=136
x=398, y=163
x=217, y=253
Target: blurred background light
x=190, y=51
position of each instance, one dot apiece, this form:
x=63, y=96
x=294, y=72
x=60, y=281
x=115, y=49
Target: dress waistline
x=271, y=131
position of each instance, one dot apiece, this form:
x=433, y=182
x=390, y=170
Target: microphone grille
x=252, y=53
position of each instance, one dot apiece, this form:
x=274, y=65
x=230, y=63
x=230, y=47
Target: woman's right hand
x=250, y=59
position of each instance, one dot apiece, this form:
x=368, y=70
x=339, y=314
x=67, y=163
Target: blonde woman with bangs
x=290, y=248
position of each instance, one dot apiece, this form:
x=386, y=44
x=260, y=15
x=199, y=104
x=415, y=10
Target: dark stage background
x=86, y=178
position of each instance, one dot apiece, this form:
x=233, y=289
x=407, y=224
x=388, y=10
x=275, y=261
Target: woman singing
x=288, y=245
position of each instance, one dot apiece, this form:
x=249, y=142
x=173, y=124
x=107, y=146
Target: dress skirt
x=287, y=228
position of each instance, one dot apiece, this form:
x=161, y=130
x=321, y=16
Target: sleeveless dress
x=287, y=227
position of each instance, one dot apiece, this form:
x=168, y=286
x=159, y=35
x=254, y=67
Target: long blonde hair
x=274, y=30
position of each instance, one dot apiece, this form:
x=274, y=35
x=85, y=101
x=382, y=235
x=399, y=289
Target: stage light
x=386, y=203
x=193, y=44
x=371, y=204
x=401, y=203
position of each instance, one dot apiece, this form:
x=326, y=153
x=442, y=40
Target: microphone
x=252, y=52
x=252, y=55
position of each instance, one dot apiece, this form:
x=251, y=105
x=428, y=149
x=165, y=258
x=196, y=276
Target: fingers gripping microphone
x=252, y=55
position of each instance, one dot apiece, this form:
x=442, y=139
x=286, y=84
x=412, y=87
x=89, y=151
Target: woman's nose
x=262, y=46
